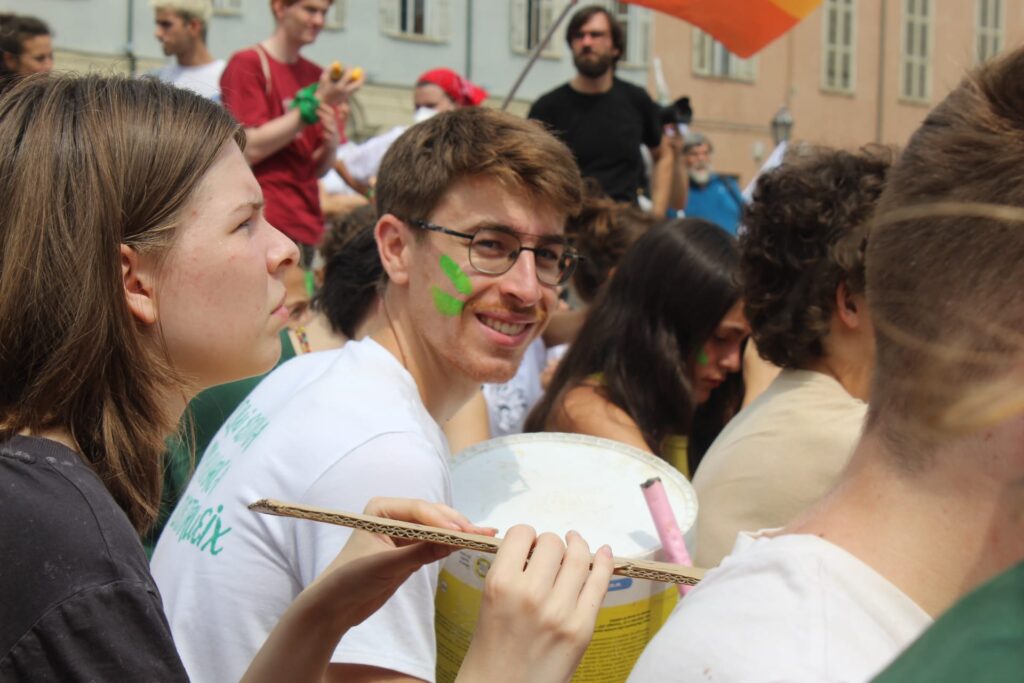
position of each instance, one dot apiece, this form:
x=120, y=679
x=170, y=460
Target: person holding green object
x=471, y=203
x=656, y=364
x=294, y=117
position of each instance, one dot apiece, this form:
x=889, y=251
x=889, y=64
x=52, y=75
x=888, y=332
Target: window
x=227, y=6
x=838, y=53
x=336, y=14
x=531, y=20
x=916, y=70
x=710, y=58
x=427, y=19
x=989, y=40
x=636, y=24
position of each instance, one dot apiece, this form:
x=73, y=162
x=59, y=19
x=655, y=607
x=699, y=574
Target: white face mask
x=422, y=114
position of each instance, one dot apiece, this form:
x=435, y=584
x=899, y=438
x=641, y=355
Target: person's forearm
x=324, y=157
x=273, y=136
x=563, y=327
x=342, y=168
x=680, y=186
x=661, y=184
x=298, y=649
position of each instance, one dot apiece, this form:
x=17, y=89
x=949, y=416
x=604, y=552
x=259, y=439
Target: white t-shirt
x=792, y=608
x=330, y=429
x=776, y=457
x=508, y=404
x=204, y=80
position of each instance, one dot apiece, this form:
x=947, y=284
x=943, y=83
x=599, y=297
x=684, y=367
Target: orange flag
x=743, y=26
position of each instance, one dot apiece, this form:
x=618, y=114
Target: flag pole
x=537, y=49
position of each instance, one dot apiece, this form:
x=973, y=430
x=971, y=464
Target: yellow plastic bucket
x=559, y=482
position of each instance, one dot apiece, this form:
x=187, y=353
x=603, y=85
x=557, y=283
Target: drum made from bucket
x=560, y=482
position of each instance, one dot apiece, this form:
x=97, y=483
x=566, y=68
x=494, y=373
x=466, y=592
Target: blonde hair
x=89, y=164
x=187, y=9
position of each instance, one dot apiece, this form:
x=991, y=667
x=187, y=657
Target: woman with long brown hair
x=136, y=268
x=656, y=363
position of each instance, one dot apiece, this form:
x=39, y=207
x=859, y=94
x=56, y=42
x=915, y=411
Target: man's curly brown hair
x=805, y=233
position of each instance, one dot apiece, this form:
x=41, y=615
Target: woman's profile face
x=36, y=56
x=220, y=296
x=721, y=354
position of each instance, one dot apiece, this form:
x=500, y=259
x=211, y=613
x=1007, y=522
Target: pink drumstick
x=672, y=541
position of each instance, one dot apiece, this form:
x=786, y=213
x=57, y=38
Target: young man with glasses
x=472, y=207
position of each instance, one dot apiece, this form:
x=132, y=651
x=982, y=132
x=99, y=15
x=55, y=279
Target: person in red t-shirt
x=291, y=136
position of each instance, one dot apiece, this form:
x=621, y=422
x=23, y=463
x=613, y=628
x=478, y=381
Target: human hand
x=371, y=567
x=537, y=618
x=334, y=92
x=362, y=577
x=672, y=141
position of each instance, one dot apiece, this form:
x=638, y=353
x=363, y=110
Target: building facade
x=393, y=40
x=853, y=72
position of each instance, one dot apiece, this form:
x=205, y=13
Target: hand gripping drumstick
x=637, y=569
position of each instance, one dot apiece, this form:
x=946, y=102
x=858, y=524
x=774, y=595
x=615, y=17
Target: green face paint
x=458, y=276
x=702, y=358
x=445, y=303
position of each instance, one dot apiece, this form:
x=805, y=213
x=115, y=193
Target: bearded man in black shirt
x=605, y=120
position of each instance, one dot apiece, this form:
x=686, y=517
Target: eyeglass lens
x=494, y=252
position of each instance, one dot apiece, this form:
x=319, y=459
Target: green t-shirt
x=207, y=412
x=979, y=640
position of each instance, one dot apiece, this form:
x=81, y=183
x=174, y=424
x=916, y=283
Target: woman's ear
x=393, y=242
x=850, y=307
x=138, y=278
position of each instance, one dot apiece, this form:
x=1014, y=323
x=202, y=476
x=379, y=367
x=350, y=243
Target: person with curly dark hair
x=802, y=275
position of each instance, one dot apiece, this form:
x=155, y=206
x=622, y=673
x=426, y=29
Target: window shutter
x=517, y=22
x=641, y=47
x=389, y=14
x=549, y=11
x=441, y=20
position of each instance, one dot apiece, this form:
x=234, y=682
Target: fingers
x=423, y=512
x=575, y=565
x=546, y=561
x=514, y=550
x=596, y=585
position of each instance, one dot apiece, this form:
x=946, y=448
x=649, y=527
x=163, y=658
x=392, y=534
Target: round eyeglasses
x=493, y=251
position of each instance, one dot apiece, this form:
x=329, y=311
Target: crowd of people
x=210, y=296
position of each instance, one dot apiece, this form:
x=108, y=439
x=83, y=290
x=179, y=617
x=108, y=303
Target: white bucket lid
x=558, y=482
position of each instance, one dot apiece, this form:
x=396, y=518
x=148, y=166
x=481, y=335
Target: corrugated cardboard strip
x=637, y=569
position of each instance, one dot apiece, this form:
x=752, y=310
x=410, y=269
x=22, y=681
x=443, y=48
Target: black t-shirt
x=604, y=132
x=77, y=602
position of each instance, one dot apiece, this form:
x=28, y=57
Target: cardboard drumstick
x=637, y=569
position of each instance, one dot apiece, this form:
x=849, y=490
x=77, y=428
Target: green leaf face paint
x=702, y=358
x=445, y=303
x=458, y=276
